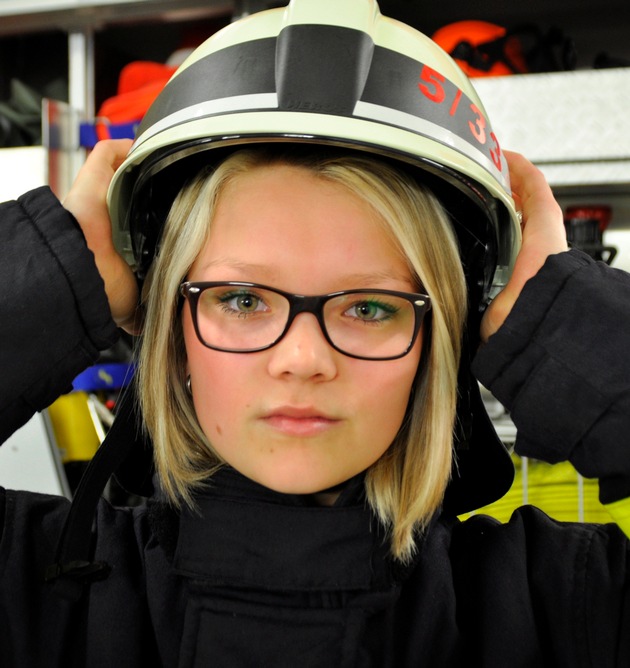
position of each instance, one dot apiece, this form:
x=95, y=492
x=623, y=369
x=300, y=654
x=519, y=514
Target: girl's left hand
x=543, y=235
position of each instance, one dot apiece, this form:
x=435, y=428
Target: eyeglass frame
x=314, y=304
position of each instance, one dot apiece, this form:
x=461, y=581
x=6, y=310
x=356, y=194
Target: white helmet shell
x=328, y=72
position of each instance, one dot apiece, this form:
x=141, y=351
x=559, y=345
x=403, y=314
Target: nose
x=303, y=352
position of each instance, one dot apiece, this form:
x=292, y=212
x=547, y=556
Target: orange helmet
x=482, y=49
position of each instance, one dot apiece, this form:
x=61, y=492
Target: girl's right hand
x=87, y=201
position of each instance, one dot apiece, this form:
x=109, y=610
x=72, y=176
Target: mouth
x=292, y=421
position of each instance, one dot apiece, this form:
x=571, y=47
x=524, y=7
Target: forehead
x=286, y=220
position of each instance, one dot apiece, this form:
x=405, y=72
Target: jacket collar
x=242, y=534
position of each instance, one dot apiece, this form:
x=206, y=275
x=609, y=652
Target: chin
x=302, y=483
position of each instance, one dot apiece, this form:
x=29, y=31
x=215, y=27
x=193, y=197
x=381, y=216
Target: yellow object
x=556, y=489
x=620, y=512
x=74, y=427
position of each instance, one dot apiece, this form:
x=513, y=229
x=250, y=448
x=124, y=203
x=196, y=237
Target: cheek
x=400, y=376
x=388, y=404
x=403, y=382
x=385, y=405
x=202, y=374
x=191, y=343
x=215, y=405
x=218, y=390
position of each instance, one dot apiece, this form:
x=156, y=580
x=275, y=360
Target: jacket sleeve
x=54, y=314
x=561, y=365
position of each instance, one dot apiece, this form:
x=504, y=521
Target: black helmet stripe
x=397, y=94
x=331, y=83
x=350, y=77
x=242, y=69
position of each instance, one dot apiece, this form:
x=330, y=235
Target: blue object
x=110, y=376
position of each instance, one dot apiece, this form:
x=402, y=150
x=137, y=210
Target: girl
x=304, y=379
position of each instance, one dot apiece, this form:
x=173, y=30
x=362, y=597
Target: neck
x=328, y=497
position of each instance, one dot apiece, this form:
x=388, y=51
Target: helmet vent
x=321, y=68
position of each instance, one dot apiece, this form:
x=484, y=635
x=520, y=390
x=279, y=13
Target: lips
x=293, y=421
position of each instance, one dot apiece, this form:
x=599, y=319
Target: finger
x=534, y=198
x=543, y=235
x=87, y=201
x=109, y=154
x=87, y=197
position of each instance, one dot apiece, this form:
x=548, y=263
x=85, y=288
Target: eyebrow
x=369, y=278
x=232, y=263
x=357, y=279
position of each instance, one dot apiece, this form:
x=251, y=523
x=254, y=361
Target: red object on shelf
x=599, y=212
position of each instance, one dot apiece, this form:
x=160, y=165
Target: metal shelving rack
x=79, y=19
x=572, y=124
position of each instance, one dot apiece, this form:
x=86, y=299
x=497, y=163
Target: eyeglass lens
x=237, y=318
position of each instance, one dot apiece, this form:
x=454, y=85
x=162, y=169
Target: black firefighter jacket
x=259, y=579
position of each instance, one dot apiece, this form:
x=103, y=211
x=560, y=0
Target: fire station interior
x=565, y=108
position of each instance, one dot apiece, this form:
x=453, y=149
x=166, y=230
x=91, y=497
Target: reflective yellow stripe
x=620, y=512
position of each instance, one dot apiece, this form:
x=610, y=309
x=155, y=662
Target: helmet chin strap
x=482, y=470
x=74, y=567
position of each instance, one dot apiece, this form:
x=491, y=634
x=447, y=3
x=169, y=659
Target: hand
x=87, y=201
x=543, y=235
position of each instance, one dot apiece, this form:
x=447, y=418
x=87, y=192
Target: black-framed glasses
x=239, y=317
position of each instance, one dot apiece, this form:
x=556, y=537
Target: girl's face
x=299, y=417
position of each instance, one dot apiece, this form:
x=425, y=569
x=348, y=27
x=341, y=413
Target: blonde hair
x=406, y=485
